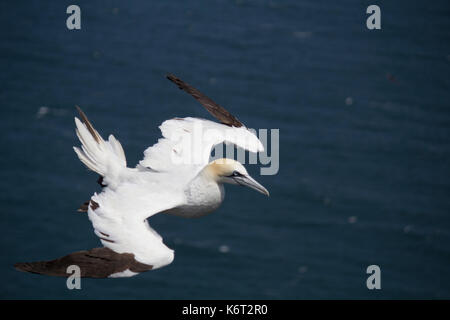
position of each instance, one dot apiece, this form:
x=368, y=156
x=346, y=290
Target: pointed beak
x=251, y=183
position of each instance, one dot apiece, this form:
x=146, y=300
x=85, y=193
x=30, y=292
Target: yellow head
x=232, y=172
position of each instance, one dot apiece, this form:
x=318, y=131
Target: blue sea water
x=364, y=125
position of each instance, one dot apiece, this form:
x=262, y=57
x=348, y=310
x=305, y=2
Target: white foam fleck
x=42, y=112
x=302, y=269
x=302, y=34
x=407, y=229
x=224, y=248
x=352, y=219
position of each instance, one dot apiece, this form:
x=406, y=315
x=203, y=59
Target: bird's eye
x=235, y=174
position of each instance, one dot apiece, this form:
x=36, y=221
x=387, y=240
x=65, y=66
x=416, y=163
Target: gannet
x=174, y=177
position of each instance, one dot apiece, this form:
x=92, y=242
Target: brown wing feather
x=88, y=124
x=96, y=136
x=94, y=263
x=213, y=108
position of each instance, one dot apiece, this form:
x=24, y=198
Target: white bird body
x=175, y=177
x=133, y=195
x=202, y=196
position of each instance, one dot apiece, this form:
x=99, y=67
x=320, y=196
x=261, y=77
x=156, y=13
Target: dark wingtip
x=216, y=110
x=88, y=124
x=24, y=266
x=94, y=263
x=176, y=80
x=82, y=114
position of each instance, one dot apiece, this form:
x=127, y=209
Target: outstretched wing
x=187, y=142
x=131, y=246
x=120, y=217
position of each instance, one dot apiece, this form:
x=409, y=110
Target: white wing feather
x=107, y=158
x=187, y=142
x=120, y=220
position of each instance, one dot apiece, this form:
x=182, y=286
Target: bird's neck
x=204, y=193
x=206, y=181
x=208, y=174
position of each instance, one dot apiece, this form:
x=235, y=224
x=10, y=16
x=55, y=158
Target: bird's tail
x=103, y=157
x=94, y=263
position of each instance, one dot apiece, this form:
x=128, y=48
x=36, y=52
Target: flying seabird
x=175, y=177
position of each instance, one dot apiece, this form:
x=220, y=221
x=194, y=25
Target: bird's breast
x=201, y=199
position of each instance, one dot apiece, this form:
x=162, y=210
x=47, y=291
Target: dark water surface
x=364, y=125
